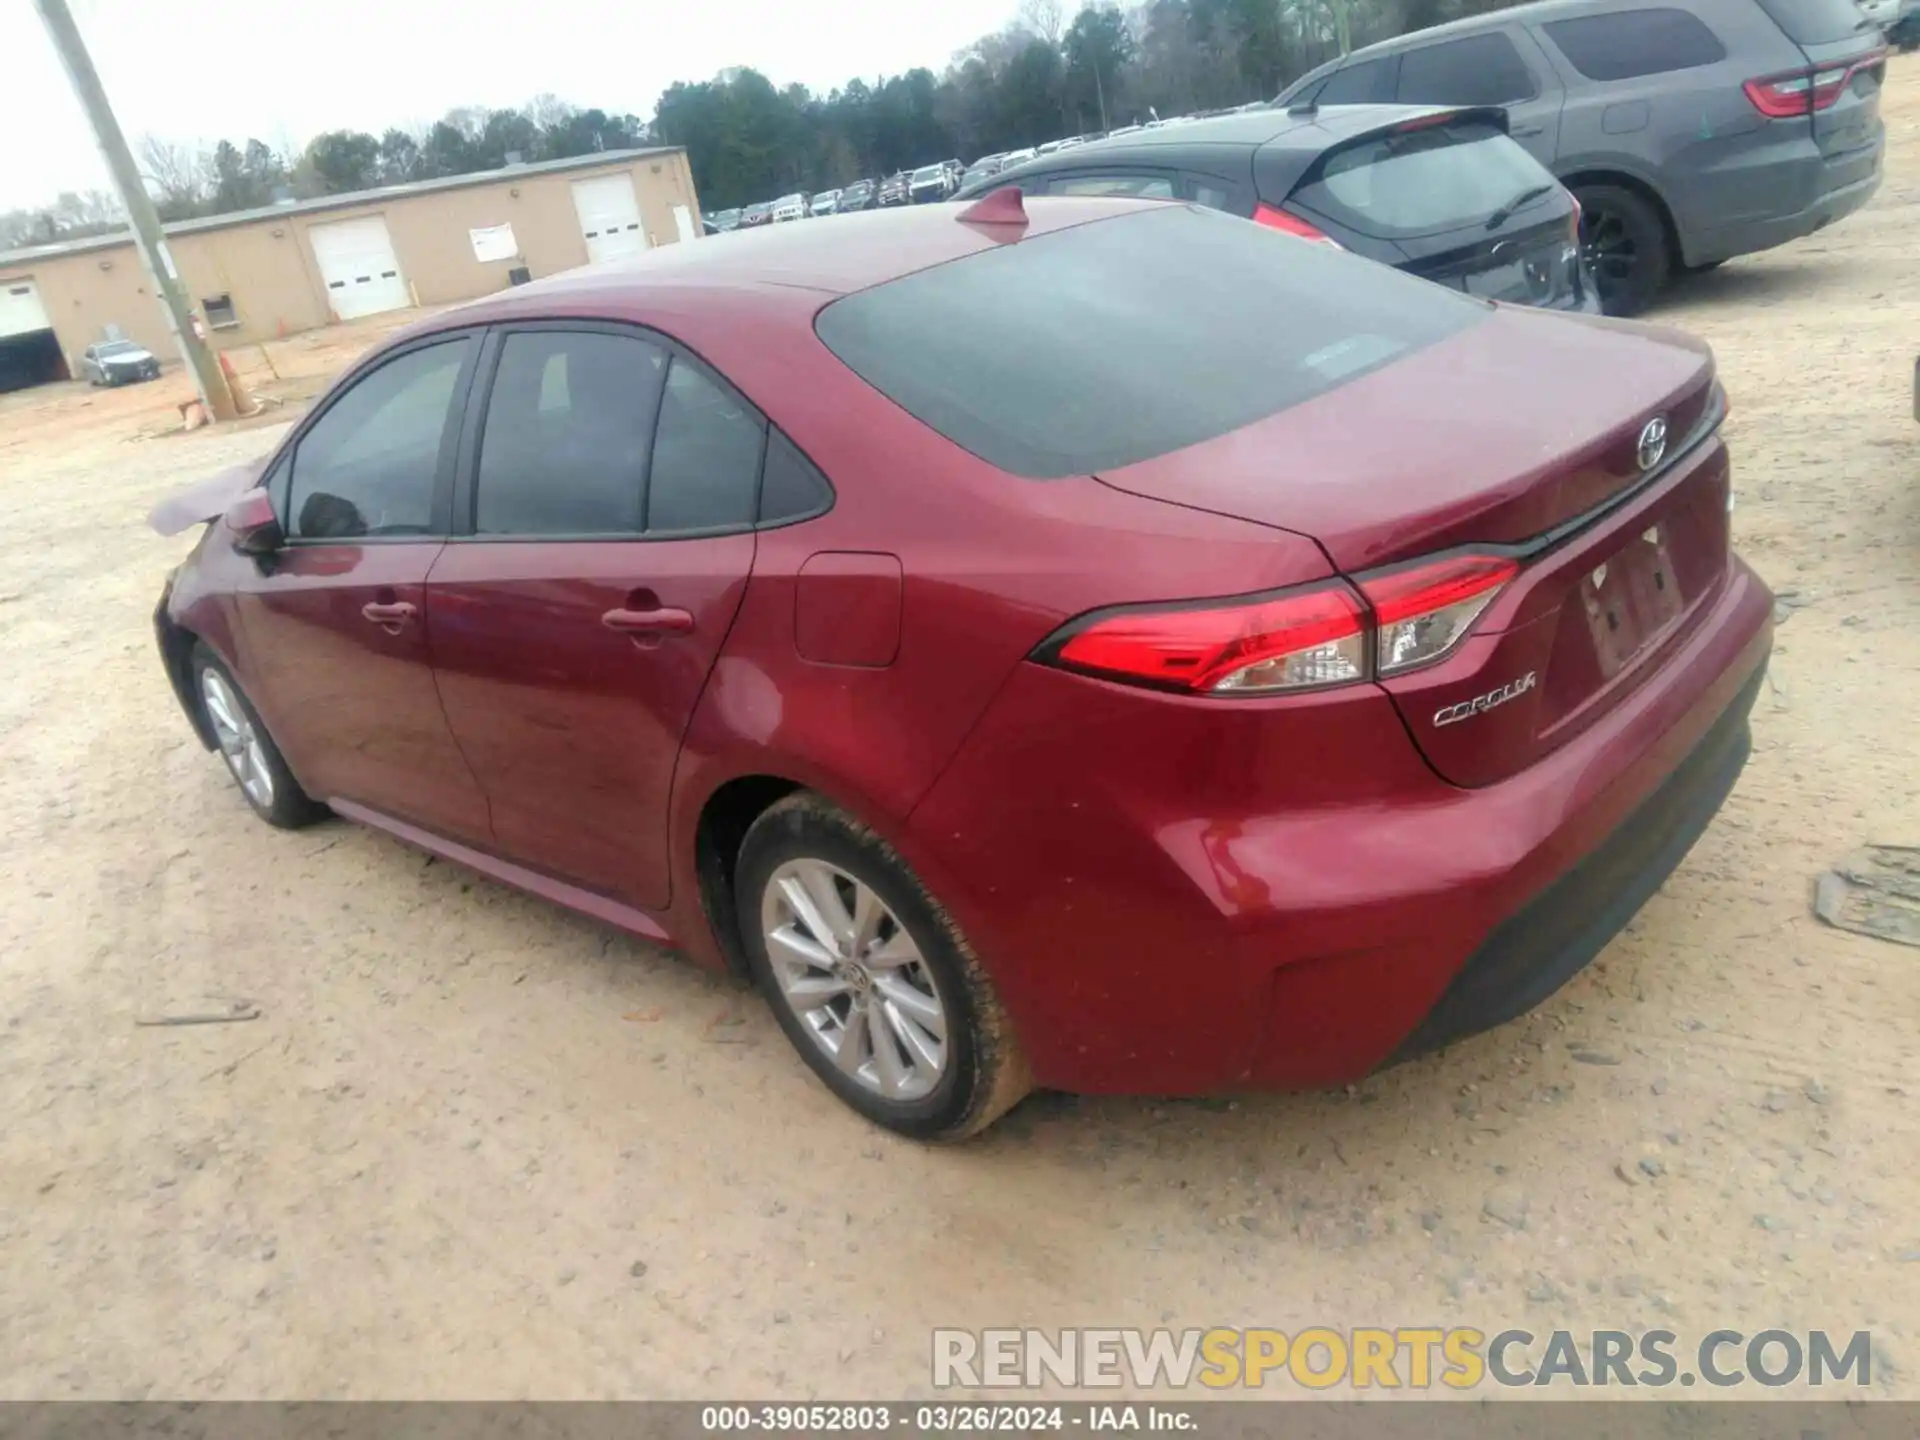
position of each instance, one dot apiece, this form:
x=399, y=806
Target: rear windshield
x=1424, y=182
x=1817, y=22
x=1110, y=343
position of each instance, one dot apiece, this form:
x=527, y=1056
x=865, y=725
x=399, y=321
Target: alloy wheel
x=855, y=978
x=1608, y=247
x=238, y=740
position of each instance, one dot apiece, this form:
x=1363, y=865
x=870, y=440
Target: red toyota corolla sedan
x=1095, y=644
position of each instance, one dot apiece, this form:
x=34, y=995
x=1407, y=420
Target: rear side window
x=1138, y=187
x=1422, y=181
x=1817, y=22
x=1476, y=70
x=790, y=487
x=564, y=451
x=1362, y=84
x=1627, y=43
x=368, y=465
x=1110, y=343
x=706, y=456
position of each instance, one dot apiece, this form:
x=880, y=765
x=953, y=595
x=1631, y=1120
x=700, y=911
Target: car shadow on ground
x=1739, y=283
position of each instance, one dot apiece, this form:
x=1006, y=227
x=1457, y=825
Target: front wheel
x=871, y=981
x=1624, y=242
x=251, y=757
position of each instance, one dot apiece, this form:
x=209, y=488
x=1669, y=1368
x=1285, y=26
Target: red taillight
x=1802, y=92
x=1276, y=219
x=1302, y=639
x=1290, y=641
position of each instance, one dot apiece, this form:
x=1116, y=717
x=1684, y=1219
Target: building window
x=220, y=312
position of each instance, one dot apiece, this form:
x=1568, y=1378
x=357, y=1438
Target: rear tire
x=873, y=983
x=1624, y=241
x=259, y=770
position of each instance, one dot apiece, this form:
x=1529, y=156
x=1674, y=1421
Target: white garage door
x=609, y=217
x=21, y=312
x=358, y=267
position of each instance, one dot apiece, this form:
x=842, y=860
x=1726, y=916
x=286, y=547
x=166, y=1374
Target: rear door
x=1501, y=67
x=1847, y=53
x=603, y=541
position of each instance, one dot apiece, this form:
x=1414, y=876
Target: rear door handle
x=649, y=622
x=391, y=615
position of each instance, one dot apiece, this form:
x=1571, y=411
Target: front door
x=335, y=623
x=606, y=547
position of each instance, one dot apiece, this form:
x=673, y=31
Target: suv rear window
x=1817, y=22
x=1112, y=342
x=1626, y=43
x=1424, y=181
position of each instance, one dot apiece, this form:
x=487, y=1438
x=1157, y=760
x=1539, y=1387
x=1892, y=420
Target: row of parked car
x=1569, y=153
x=923, y=185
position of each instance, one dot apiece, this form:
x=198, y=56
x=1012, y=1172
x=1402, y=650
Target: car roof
x=836, y=256
x=1310, y=131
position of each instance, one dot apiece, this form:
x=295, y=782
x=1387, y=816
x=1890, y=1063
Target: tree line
x=1044, y=75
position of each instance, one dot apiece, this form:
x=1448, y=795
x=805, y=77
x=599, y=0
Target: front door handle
x=390, y=616
x=649, y=622
x=1520, y=131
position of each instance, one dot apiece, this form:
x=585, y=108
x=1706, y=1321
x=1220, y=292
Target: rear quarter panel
x=1691, y=136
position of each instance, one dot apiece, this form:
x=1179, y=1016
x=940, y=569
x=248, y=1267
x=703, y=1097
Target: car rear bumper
x=1146, y=946
x=1826, y=189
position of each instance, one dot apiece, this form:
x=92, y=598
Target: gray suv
x=1690, y=131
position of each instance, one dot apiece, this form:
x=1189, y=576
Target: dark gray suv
x=1690, y=131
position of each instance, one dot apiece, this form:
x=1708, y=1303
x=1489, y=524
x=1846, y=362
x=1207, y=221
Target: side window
x=367, y=466
x=1214, y=197
x=1476, y=70
x=1362, y=84
x=790, y=488
x=1628, y=43
x=564, y=447
x=1138, y=187
x=706, y=456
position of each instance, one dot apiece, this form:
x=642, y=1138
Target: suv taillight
x=1277, y=219
x=1336, y=633
x=1802, y=92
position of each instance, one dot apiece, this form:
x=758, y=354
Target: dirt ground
x=477, y=1147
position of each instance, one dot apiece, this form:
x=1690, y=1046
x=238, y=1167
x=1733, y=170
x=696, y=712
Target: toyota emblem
x=1653, y=443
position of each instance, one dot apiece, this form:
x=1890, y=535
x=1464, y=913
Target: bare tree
x=179, y=177
x=1046, y=18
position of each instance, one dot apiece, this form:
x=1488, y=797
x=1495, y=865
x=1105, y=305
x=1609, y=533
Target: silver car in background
x=118, y=362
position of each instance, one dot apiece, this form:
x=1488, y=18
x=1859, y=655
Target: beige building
x=260, y=274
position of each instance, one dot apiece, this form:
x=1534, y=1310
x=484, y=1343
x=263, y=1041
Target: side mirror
x=256, y=529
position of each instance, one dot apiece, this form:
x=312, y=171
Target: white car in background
x=789, y=207
x=826, y=202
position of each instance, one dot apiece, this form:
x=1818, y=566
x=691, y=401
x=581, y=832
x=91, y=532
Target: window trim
x=439, y=512
x=1503, y=32
x=465, y=497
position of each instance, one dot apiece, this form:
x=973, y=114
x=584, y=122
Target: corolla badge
x=1653, y=443
x=1480, y=704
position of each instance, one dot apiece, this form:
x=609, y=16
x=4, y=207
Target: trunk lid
x=1451, y=198
x=1523, y=434
x=1495, y=436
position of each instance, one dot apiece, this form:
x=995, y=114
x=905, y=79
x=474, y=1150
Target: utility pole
x=151, y=242
x=1101, y=91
